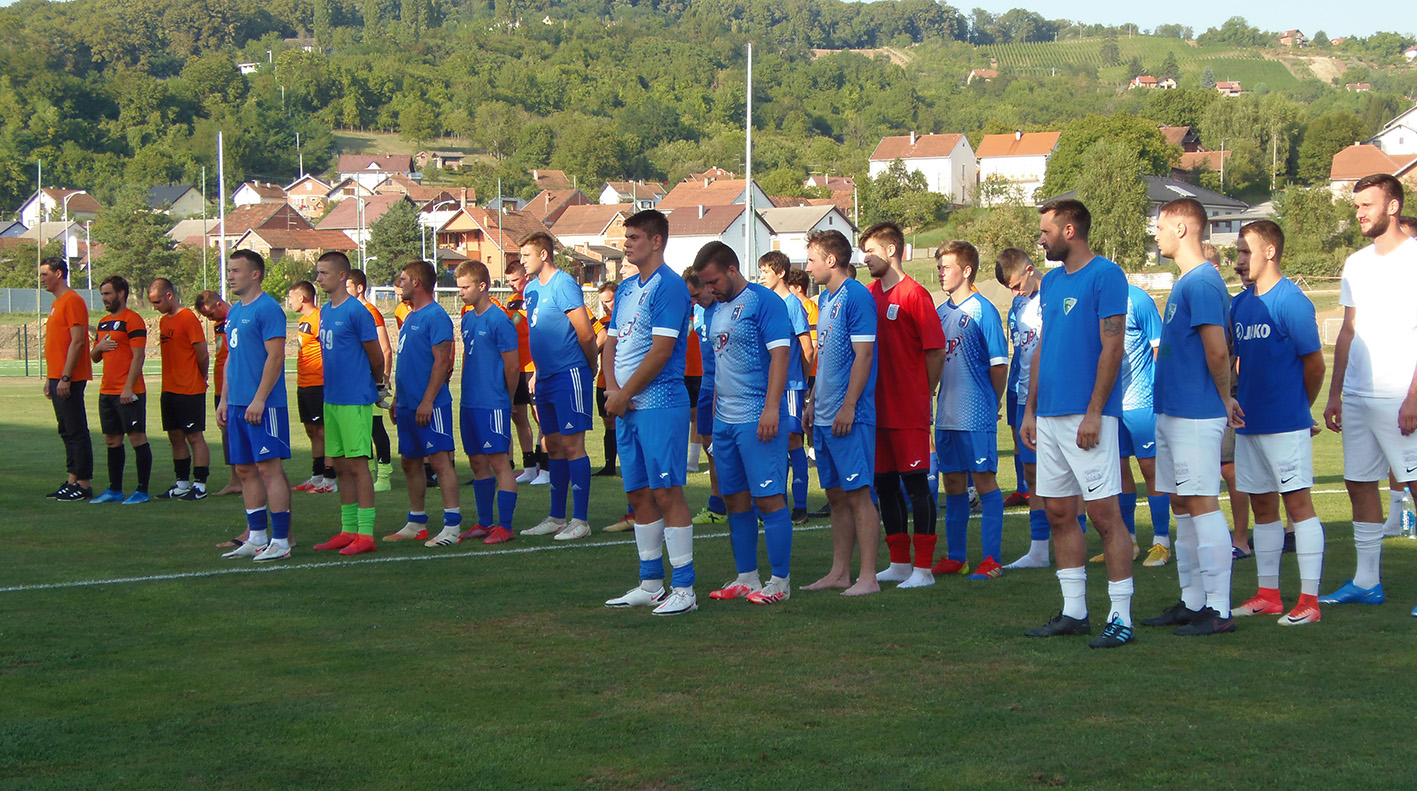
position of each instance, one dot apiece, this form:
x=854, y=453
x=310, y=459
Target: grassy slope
x=1247, y=66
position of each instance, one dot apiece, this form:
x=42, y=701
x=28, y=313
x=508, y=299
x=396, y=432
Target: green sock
x=347, y=517
x=366, y=522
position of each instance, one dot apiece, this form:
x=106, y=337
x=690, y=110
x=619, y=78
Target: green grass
x=500, y=669
x=1247, y=66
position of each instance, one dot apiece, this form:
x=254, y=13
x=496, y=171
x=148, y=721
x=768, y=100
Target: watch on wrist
x=65, y=378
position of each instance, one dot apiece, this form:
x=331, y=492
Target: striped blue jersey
x=1139, y=360
x=700, y=326
x=1015, y=308
x=644, y=310
x=843, y=318
x=797, y=317
x=1028, y=328
x=744, y=330
x=974, y=344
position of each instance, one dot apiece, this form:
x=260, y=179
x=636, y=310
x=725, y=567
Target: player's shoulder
x=982, y=309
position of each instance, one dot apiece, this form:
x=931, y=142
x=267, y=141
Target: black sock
x=329, y=472
x=543, y=460
x=528, y=460
x=382, y=450
x=144, y=454
x=610, y=448
x=116, y=457
x=317, y=466
x=892, y=502
x=917, y=487
x=183, y=468
x=200, y=473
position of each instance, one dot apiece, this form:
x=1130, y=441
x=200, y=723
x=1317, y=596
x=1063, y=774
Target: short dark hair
x=206, y=299
x=56, y=264
x=964, y=253
x=335, y=258
x=1188, y=208
x=1391, y=187
x=691, y=278
x=1010, y=264
x=777, y=261
x=474, y=269
x=541, y=240
x=1269, y=232
x=119, y=284
x=305, y=289
x=514, y=267
x=651, y=222
x=889, y=233
x=1408, y=224
x=253, y=258
x=1069, y=211
x=609, y=285
x=833, y=243
x=798, y=278
x=358, y=278
x=424, y=272
x=716, y=253
x=162, y=286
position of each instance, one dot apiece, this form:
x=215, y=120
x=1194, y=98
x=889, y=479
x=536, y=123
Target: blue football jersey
x=797, y=318
x=974, y=344
x=1073, y=307
x=1138, y=349
x=484, y=339
x=1028, y=330
x=1273, y=332
x=703, y=317
x=845, y=317
x=744, y=330
x=1184, y=386
x=248, y=327
x=644, y=310
x=1015, y=307
x=344, y=328
x=554, y=346
x=422, y=330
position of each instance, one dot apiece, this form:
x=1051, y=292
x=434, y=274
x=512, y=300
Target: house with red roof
x=947, y=161
x=1020, y=158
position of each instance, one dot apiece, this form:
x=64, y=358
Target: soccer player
x=310, y=386
x=1014, y=270
x=1012, y=410
x=1239, y=501
x=602, y=336
x=489, y=343
x=563, y=348
x=966, y=434
x=383, y=452
x=214, y=309
x=184, y=391
x=253, y=407
x=772, y=274
x=1136, y=434
x=121, y=346
x=425, y=422
x=1281, y=372
x=1193, y=405
x=751, y=337
x=911, y=351
x=694, y=381
x=716, y=512
x=842, y=411
x=66, y=354
x=1070, y=418
x=1372, y=397
x=644, y=390
x=535, y=469
x=1393, y=526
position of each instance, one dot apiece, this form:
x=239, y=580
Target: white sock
x=1038, y=550
x=1120, y=592
x=1368, y=541
x=281, y=543
x=919, y=578
x=1074, y=585
x=1187, y=573
x=679, y=544
x=1309, y=546
x=1269, y=548
x=1162, y=541
x=897, y=572
x=1214, y=553
x=1394, y=510
x=649, y=540
x=257, y=537
x=694, y=450
x=750, y=578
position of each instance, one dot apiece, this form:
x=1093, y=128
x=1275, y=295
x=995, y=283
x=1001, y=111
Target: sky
x=1310, y=16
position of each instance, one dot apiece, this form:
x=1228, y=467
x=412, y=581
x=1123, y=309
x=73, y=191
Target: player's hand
x=1333, y=414
x=383, y=392
x=221, y=413
x=46, y=389
x=1089, y=431
x=424, y=415
x=1234, y=414
x=809, y=415
x=767, y=425
x=393, y=409
x=616, y=403
x=62, y=389
x=1315, y=430
x=126, y=397
x=1028, y=431
x=255, y=411
x=106, y=345
x=1407, y=416
x=845, y=419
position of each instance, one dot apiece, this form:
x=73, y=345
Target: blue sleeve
x=994, y=340
x=775, y=328
x=797, y=315
x=1208, y=301
x=272, y=321
x=364, y=324
x=1301, y=324
x=440, y=329
x=669, y=314
x=504, y=335
x=861, y=318
x=1111, y=293
x=566, y=294
x=1149, y=319
x=613, y=327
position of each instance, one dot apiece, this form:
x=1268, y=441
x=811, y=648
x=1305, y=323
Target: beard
x=1378, y=228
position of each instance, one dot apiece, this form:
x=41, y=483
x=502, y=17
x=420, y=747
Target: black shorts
x=310, y=404
x=600, y=401
x=116, y=418
x=184, y=412
x=523, y=394
x=693, y=383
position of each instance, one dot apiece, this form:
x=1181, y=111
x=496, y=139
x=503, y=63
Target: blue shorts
x=848, y=462
x=248, y=444
x=417, y=442
x=966, y=451
x=1025, y=455
x=486, y=432
x=703, y=420
x=565, y=402
x=1136, y=434
x=654, y=447
x=746, y=465
x=793, y=423
x=1013, y=410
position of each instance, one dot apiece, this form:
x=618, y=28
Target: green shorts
x=349, y=430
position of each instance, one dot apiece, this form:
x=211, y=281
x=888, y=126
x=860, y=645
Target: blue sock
x=1038, y=527
x=717, y=505
x=1128, y=502
x=256, y=519
x=683, y=576
x=1160, y=514
x=506, y=506
x=560, y=482
x=451, y=518
x=743, y=534
x=1018, y=473
x=777, y=534
x=484, y=489
x=418, y=518
x=1082, y=522
x=280, y=525
x=991, y=525
x=652, y=569
x=798, y=460
x=956, y=525
x=580, y=486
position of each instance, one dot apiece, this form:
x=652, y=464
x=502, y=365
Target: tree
x=1324, y=137
x=1208, y=79
x=1010, y=224
x=1319, y=232
x=1155, y=155
x=418, y=122
x=1135, y=67
x=784, y=182
x=1169, y=67
x=1111, y=56
x=394, y=239
x=135, y=241
x=1320, y=39
x=495, y=128
x=1111, y=185
x=900, y=196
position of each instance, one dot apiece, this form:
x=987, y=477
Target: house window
x=777, y=244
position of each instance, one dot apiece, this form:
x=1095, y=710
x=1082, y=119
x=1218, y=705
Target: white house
x=1019, y=159
x=693, y=227
x=592, y=226
x=1399, y=136
x=56, y=203
x=708, y=190
x=790, y=227
x=251, y=193
x=371, y=169
x=643, y=194
x=947, y=161
x=1361, y=159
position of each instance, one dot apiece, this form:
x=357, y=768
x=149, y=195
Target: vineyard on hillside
x=1250, y=68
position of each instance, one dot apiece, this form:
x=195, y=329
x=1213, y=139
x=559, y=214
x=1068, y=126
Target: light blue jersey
x=797, y=318
x=1184, y=386
x=1015, y=307
x=845, y=317
x=744, y=330
x=1138, y=355
x=248, y=327
x=422, y=330
x=1028, y=328
x=554, y=346
x=644, y=310
x=974, y=344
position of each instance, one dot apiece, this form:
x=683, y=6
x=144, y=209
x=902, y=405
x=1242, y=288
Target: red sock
x=1310, y=599
x=924, y=551
x=1269, y=593
x=899, y=545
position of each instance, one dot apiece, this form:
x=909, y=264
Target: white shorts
x=1065, y=470
x=1188, y=455
x=1267, y=463
x=1372, y=442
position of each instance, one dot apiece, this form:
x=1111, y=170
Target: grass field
x=1249, y=67
x=132, y=656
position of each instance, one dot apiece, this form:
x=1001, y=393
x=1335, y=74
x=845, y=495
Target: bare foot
x=862, y=587
x=234, y=487
x=829, y=581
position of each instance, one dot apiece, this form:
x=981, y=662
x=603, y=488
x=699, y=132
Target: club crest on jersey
x=964, y=321
x=1170, y=312
x=644, y=295
x=892, y=311
x=836, y=310
x=737, y=313
x=1068, y=304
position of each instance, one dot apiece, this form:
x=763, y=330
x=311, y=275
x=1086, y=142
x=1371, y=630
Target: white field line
x=253, y=569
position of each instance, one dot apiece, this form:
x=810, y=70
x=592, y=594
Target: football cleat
x=775, y=592
x=108, y=496
x=1305, y=612
x=75, y=494
x=1261, y=603
x=340, y=540
x=799, y=516
x=527, y=475
x=1206, y=622
x=447, y=537
x=1177, y=614
x=574, y=529
x=1114, y=635
x=707, y=517
x=499, y=535
x=678, y=602
x=736, y=590
x=272, y=551
x=413, y=531
x=988, y=569
x=639, y=597
x=476, y=531
x=626, y=522
x=246, y=550
x=1061, y=625
x=315, y=480
x=1158, y=555
x=545, y=527
x=359, y=546
x=1349, y=593
x=947, y=567
x=174, y=492
x=137, y=498
x=194, y=493
x=1015, y=500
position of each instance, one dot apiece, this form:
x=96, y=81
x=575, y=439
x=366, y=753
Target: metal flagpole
x=38, y=256
x=750, y=259
x=221, y=209
x=204, y=228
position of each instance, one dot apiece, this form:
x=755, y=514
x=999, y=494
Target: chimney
x=912, y=137
x=1018, y=134
x=462, y=200
x=702, y=211
x=535, y=174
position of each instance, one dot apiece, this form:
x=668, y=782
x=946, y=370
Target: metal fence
x=22, y=300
